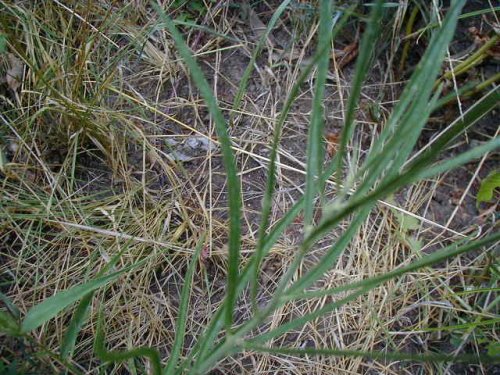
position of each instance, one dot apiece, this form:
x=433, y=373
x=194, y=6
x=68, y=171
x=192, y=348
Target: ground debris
x=190, y=148
x=15, y=72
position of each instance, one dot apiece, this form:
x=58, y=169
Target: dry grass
x=88, y=176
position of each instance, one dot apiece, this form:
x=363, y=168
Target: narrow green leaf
x=3, y=44
x=209, y=336
x=211, y=332
x=361, y=69
x=488, y=186
x=180, y=329
x=228, y=160
x=81, y=313
x=251, y=65
x=494, y=350
x=216, y=353
x=331, y=257
x=428, y=260
x=215, y=325
x=79, y=318
x=378, y=355
x=476, y=112
x=455, y=327
x=366, y=285
x=271, y=179
x=121, y=356
x=10, y=306
x=8, y=324
x=3, y=159
x=418, y=171
x=315, y=146
x=52, y=306
x=478, y=12
x=461, y=159
x=285, y=279
x=403, y=128
x=263, y=244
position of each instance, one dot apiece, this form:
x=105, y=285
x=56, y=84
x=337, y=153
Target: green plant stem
x=475, y=59
x=121, y=356
x=271, y=179
x=407, y=43
x=379, y=355
x=234, y=193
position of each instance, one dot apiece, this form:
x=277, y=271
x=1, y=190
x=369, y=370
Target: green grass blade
x=475, y=113
x=121, y=356
x=480, y=109
x=418, y=172
x=328, y=261
x=180, y=328
x=263, y=240
x=8, y=324
x=299, y=255
x=362, y=65
x=461, y=159
x=14, y=310
x=367, y=285
x=282, y=225
x=378, y=356
x=228, y=160
x=419, y=113
x=82, y=312
x=463, y=16
x=214, y=327
x=52, y=306
x=412, y=111
x=427, y=260
x=251, y=65
x=79, y=318
x=488, y=186
x=462, y=326
x=266, y=242
x=216, y=354
x=210, y=334
x=315, y=146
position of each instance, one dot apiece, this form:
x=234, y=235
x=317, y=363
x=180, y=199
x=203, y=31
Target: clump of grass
x=132, y=235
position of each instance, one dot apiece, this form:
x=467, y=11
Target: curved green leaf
x=488, y=186
x=379, y=355
x=120, y=356
x=180, y=328
x=233, y=182
x=52, y=306
x=8, y=324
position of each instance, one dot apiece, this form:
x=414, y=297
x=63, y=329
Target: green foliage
x=494, y=349
x=383, y=356
x=385, y=176
x=488, y=187
x=8, y=369
x=386, y=168
x=229, y=164
x=121, y=356
x=3, y=159
x=8, y=324
x=189, y=10
x=3, y=44
x=183, y=309
x=82, y=311
x=52, y=306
